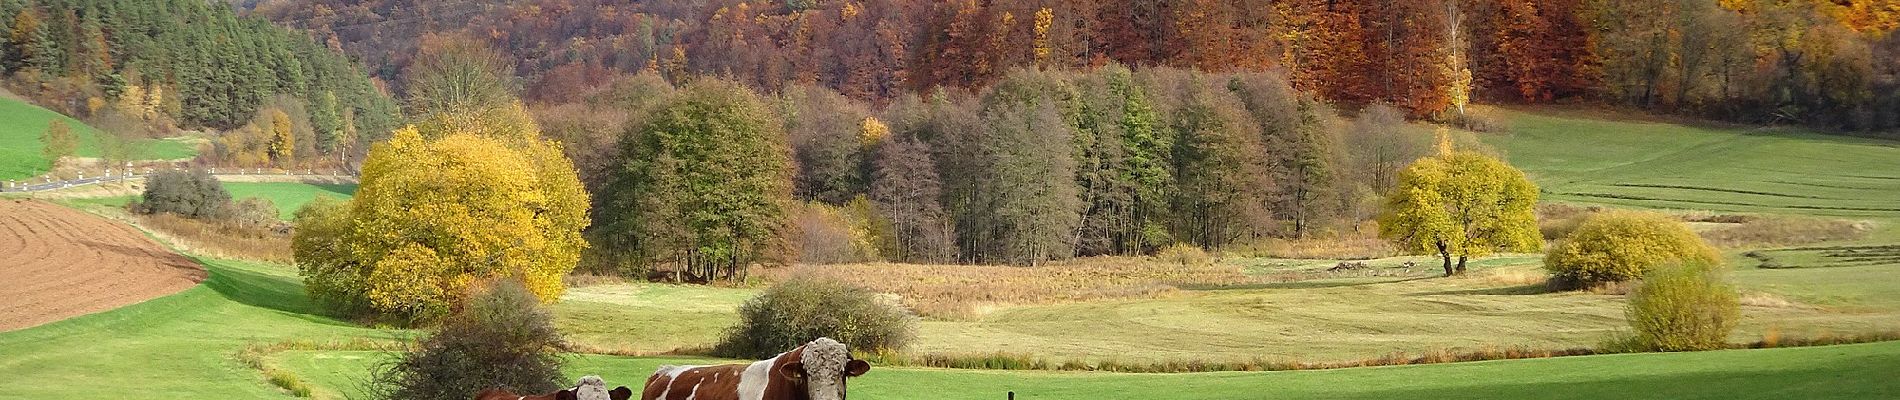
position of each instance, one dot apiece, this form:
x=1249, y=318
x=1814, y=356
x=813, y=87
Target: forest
x=1820, y=63
x=142, y=68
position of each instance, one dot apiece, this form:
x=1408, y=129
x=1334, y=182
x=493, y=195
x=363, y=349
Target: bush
x=1683, y=307
x=1620, y=246
x=192, y=194
x=803, y=309
x=501, y=338
x=253, y=212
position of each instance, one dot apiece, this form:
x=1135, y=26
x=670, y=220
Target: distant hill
x=189, y=63
x=1818, y=63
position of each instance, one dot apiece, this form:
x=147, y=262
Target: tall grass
x=964, y=291
x=223, y=239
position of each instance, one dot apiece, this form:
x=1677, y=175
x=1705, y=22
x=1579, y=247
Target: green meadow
x=20, y=141
x=289, y=196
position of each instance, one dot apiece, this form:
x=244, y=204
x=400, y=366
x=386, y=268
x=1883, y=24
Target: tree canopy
x=433, y=216
x=1463, y=204
x=704, y=185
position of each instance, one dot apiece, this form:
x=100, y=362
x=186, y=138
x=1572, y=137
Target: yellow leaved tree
x=1463, y=204
x=444, y=205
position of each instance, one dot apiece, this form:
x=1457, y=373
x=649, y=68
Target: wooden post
x=1012, y=395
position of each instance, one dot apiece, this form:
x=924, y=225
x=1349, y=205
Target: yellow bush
x=435, y=215
x=1683, y=308
x=1623, y=245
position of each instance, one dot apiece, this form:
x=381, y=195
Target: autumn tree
x=58, y=140
x=906, y=189
x=283, y=143
x=826, y=131
x=1022, y=202
x=1222, y=185
x=704, y=185
x=1377, y=145
x=436, y=215
x=455, y=73
x=1463, y=204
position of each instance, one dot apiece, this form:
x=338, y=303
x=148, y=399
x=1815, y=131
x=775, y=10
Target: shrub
x=253, y=212
x=193, y=194
x=802, y=309
x=501, y=338
x=1683, y=307
x=1620, y=246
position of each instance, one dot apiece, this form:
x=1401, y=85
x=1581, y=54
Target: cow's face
x=823, y=368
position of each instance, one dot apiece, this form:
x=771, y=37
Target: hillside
x=1660, y=165
x=164, y=65
x=1352, y=53
x=20, y=144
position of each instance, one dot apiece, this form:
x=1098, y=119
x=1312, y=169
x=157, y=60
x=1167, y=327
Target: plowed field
x=57, y=263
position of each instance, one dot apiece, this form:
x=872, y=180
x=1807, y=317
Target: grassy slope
x=179, y=346
x=1814, y=372
x=21, y=125
x=1673, y=166
x=288, y=196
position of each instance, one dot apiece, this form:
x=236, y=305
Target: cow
x=589, y=388
x=814, y=371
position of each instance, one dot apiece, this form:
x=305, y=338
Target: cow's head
x=593, y=388
x=822, y=369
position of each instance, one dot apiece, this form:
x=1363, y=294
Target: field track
x=57, y=263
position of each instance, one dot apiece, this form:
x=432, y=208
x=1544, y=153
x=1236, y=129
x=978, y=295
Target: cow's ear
x=620, y=393
x=854, y=368
x=565, y=394
x=793, y=371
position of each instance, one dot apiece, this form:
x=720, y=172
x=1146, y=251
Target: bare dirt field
x=57, y=263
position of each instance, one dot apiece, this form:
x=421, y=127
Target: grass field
x=1655, y=165
x=184, y=345
x=1844, y=372
x=21, y=125
x=289, y=196
x=1320, y=320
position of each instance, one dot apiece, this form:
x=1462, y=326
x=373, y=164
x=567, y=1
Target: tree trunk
x=1461, y=265
x=1445, y=254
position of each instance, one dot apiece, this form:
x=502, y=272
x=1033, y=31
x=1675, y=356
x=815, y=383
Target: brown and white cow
x=589, y=388
x=814, y=371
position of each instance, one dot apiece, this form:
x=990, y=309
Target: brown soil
x=58, y=263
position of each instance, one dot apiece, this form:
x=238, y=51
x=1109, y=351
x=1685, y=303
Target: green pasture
x=289, y=196
x=21, y=125
x=1658, y=165
x=1843, y=372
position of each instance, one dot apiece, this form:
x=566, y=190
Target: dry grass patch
x=220, y=239
x=1362, y=243
x=1768, y=300
x=964, y=291
x=1785, y=231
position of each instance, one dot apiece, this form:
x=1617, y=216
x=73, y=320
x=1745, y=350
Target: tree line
x=1828, y=64
x=1041, y=166
x=150, y=65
